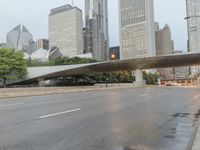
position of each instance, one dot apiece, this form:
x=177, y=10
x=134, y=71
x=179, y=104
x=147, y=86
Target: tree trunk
x=4, y=83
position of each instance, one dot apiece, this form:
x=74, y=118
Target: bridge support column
x=139, y=81
x=41, y=82
x=198, y=81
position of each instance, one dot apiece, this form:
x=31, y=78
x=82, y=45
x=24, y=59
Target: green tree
x=61, y=61
x=12, y=65
x=37, y=63
x=150, y=78
x=72, y=61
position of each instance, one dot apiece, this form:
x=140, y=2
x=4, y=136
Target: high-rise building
x=21, y=40
x=66, y=30
x=137, y=34
x=42, y=44
x=164, y=43
x=97, y=38
x=164, y=46
x=193, y=20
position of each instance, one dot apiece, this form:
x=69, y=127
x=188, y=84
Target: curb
x=196, y=144
x=65, y=91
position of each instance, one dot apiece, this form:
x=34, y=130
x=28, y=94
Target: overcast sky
x=34, y=15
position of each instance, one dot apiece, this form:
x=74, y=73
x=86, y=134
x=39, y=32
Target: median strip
x=60, y=113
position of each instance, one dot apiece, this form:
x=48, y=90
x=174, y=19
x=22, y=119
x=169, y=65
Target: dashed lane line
x=60, y=113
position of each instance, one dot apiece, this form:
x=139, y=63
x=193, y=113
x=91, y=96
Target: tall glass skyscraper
x=21, y=40
x=193, y=20
x=97, y=39
x=137, y=34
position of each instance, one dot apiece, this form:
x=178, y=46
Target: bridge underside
x=36, y=74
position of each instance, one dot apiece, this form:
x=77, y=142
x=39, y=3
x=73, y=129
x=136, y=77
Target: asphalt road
x=122, y=119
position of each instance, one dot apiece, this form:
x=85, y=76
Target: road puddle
x=182, y=115
x=170, y=137
x=177, y=132
x=197, y=115
x=184, y=126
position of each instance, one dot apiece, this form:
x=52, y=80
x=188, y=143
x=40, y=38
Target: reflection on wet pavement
x=177, y=133
x=197, y=115
x=167, y=119
x=182, y=129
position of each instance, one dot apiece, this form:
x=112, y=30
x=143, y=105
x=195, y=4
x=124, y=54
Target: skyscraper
x=66, y=30
x=164, y=46
x=97, y=39
x=193, y=20
x=137, y=34
x=21, y=39
x=164, y=43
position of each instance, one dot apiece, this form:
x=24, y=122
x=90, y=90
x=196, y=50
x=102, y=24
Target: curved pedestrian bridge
x=50, y=72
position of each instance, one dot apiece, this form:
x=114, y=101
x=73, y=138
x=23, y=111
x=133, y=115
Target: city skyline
x=38, y=22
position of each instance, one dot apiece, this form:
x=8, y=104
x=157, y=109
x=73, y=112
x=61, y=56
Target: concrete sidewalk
x=37, y=91
x=196, y=144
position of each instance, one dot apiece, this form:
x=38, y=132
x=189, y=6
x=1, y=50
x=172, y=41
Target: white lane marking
x=145, y=95
x=60, y=113
x=6, y=105
x=196, y=97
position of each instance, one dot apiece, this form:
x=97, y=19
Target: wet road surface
x=122, y=119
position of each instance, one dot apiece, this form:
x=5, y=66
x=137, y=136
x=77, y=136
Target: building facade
x=164, y=42
x=44, y=55
x=193, y=20
x=137, y=34
x=21, y=39
x=115, y=53
x=42, y=44
x=96, y=22
x=66, y=30
x=164, y=46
